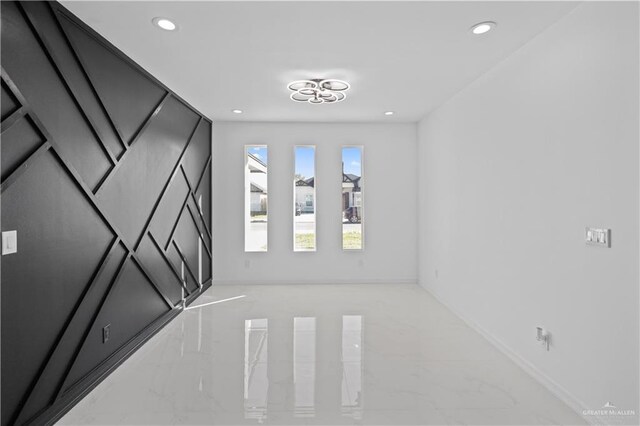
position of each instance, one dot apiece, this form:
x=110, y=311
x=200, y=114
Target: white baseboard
x=560, y=392
x=392, y=281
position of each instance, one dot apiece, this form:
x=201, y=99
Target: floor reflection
x=318, y=354
x=256, y=357
x=304, y=365
x=352, y=366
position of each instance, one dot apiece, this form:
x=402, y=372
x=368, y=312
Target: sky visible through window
x=260, y=152
x=305, y=161
x=352, y=157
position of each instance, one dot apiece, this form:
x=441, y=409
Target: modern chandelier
x=319, y=91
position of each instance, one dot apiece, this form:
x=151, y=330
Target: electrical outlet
x=247, y=263
x=106, y=333
x=597, y=237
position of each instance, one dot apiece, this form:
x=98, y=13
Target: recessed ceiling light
x=164, y=23
x=236, y=111
x=388, y=113
x=483, y=27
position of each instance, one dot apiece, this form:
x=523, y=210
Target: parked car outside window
x=353, y=214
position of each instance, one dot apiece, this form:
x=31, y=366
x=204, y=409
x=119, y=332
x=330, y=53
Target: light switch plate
x=597, y=237
x=9, y=242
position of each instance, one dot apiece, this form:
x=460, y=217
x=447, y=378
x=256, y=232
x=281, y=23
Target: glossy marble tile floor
x=313, y=354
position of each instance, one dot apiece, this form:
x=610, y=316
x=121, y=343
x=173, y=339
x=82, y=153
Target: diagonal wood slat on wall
x=8, y=103
x=126, y=93
x=71, y=105
x=46, y=25
x=41, y=283
x=121, y=308
x=48, y=96
x=31, y=390
x=19, y=141
x=58, y=364
x=129, y=196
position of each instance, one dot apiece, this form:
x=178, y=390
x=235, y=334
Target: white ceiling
x=408, y=57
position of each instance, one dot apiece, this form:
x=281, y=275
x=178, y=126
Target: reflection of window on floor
x=352, y=204
x=304, y=366
x=256, y=382
x=255, y=198
x=352, y=366
x=304, y=194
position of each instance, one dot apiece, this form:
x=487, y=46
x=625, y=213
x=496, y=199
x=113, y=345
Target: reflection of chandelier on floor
x=318, y=91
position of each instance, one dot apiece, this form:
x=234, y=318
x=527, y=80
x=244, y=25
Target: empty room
x=320, y=212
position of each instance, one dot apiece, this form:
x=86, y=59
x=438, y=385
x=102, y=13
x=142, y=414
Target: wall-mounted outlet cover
x=106, y=333
x=9, y=242
x=597, y=237
x=543, y=336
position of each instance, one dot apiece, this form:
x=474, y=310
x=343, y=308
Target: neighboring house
x=305, y=195
x=351, y=191
x=258, y=179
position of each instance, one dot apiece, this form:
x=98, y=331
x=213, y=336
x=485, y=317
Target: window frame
x=247, y=197
x=362, y=200
x=315, y=199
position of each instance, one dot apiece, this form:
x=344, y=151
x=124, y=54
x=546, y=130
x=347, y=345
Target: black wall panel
x=169, y=209
x=45, y=91
x=46, y=26
x=102, y=169
x=168, y=279
x=176, y=257
x=127, y=94
x=19, y=142
x=130, y=194
x=43, y=280
x=204, y=190
x=8, y=103
x=197, y=154
x=125, y=315
x=49, y=382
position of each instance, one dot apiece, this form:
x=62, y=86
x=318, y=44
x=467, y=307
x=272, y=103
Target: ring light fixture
x=319, y=91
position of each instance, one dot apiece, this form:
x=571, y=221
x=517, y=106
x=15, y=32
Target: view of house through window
x=304, y=199
x=352, y=206
x=256, y=194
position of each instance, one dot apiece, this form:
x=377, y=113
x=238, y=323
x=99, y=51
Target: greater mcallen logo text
x=609, y=409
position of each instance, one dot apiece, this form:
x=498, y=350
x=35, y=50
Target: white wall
x=513, y=168
x=390, y=197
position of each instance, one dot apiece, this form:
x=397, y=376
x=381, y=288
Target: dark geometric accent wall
x=106, y=176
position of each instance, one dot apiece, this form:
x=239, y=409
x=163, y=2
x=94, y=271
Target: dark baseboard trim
x=79, y=390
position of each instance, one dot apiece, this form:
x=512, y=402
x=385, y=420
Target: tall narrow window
x=352, y=198
x=304, y=199
x=255, y=198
